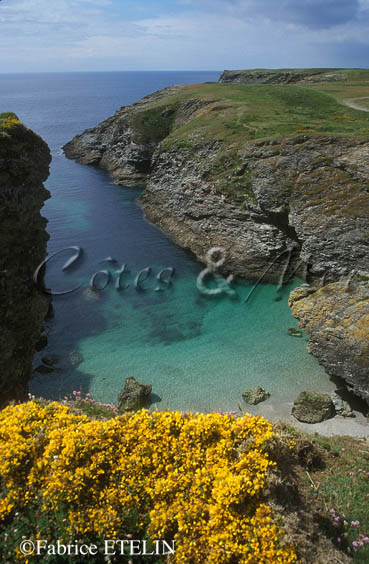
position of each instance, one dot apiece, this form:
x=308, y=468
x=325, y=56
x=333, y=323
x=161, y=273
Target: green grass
x=234, y=114
x=84, y=404
x=343, y=489
x=238, y=113
x=153, y=124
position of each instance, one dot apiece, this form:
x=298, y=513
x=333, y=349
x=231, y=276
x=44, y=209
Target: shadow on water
x=57, y=371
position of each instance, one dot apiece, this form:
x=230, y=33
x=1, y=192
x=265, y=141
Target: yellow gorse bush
x=9, y=122
x=194, y=478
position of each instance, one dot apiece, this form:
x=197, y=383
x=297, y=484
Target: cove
x=198, y=353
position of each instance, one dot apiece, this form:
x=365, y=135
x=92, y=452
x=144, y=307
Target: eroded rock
x=336, y=317
x=312, y=407
x=256, y=395
x=134, y=395
x=24, y=166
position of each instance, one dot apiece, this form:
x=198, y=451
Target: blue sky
x=62, y=35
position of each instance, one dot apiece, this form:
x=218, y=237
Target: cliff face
x=120, y=144
x=307, y=193
x=257, y=198
x=282, y=76
x=337, y=319
x=24, y=166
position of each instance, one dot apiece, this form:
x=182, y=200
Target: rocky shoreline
x=301, y=196
x=24, y=166
x=282, y=76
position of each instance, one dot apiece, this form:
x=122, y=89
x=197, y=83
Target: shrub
x=193, y=478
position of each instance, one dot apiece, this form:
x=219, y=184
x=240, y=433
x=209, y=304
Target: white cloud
x=87, y=34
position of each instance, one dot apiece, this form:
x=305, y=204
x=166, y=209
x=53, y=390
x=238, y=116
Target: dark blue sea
x=198, y=353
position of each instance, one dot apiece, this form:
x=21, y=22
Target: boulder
x=341, y=406
x=336, y=318
x=255, y=395
x=51, y=359
x=312, y=407
x=133, y=396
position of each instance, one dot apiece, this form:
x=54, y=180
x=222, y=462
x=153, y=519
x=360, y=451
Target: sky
x=83, y=35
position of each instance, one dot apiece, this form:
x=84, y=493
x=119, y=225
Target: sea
x=199, y=352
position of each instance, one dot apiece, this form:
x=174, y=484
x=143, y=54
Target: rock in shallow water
x=134, y=395
x=75, y=358
x=51, y=359
x=255, y=395
x=294, y=332
x=312, y=407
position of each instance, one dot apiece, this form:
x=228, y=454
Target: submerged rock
x=134, y=395
x=75, y=358
x=294, y=332
x=44, y=369
x=312, y=407
x=51, y=359
x=91, y=295
x=256, y=395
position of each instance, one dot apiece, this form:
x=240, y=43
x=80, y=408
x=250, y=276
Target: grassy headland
x=232, y=115
x=235, y=113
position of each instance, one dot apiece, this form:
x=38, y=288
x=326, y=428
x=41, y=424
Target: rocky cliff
x=282, y=76
x=336, y=317
x=214, y=178
x=24, y=166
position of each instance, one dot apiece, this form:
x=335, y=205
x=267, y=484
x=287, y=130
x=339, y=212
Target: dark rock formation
x=120, y=144
x=24, y=166
x=256, y=395
x=287, y=76
x=311, y=407
x=133, y=396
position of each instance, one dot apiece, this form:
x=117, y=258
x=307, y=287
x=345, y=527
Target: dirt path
x=352, y=104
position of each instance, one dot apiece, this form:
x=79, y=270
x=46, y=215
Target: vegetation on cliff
x=197, y=479
x=225, y=489
x=230, y=115
x=10, y=125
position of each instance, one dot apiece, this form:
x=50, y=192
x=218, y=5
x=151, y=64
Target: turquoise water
x=199, y=353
